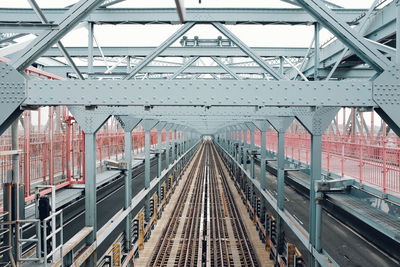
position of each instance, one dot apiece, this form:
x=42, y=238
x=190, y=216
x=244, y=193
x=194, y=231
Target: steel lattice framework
x=239, y=86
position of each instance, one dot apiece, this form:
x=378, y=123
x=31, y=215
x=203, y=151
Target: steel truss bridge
x=220, y=87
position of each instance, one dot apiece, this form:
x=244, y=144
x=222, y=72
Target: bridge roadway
x=343, y=244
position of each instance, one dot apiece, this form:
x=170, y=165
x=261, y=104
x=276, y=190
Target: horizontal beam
x=341, y=73
x=168, y=15
x=199, y=93
x=191, y=112
x=180, y=51
x=26, y=27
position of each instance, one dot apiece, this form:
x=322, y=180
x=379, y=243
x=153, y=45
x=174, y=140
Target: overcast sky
x=153, y=35
x=188, y=3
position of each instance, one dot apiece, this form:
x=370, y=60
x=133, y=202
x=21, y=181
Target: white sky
x=153, y=35
x=188, y=3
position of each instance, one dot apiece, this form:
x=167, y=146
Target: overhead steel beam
x=45, y=40
x=345, y=34
x=159, y=49
x=196, y=51
x=247, y=50
x=284, y=16
x=120, y=71
x=34, y=28
x=202, y=93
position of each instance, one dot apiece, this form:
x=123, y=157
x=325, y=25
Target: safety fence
x=369, y=160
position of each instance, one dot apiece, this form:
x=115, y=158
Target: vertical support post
x=245, y=148
x=280, y=124
x=317, y=28
x=147, y=172
x=90, y=190
x=315, y=207
x=90, y=122
x=15, y=157
x=316, y=121
x=51, y=154
x=167, y=134
x=252, y=137
x=128, y=123
x=263, y=127
x=159, y=127
x=159, y=135
x=128, y=186
x=147, y=126
x=173, y=132
x=27, y=124
x=281, y=169
x=240, y=146
x=90, y=47
x=263, y=160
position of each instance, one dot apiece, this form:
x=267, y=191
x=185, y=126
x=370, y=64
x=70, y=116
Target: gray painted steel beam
x=200, y=93
x=197, y=51
x=120, y=71
x=274, y=16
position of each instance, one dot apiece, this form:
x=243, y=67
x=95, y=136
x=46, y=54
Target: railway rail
x=205, y=228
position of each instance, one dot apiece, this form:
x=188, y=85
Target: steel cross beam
x=286, y=16
x=196, y=51
x=256, y=93
x=247, y=50
x=346, y=34
x=159, y=49
x=45, y=40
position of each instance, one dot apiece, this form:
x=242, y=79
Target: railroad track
x=205, y=228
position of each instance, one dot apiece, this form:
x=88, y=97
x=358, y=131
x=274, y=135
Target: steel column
x=147, y=126
x=315, y=207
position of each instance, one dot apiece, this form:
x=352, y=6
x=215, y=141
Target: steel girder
x=196, y=51
x=120, y=71
x=200, y=93
x=285, y=16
